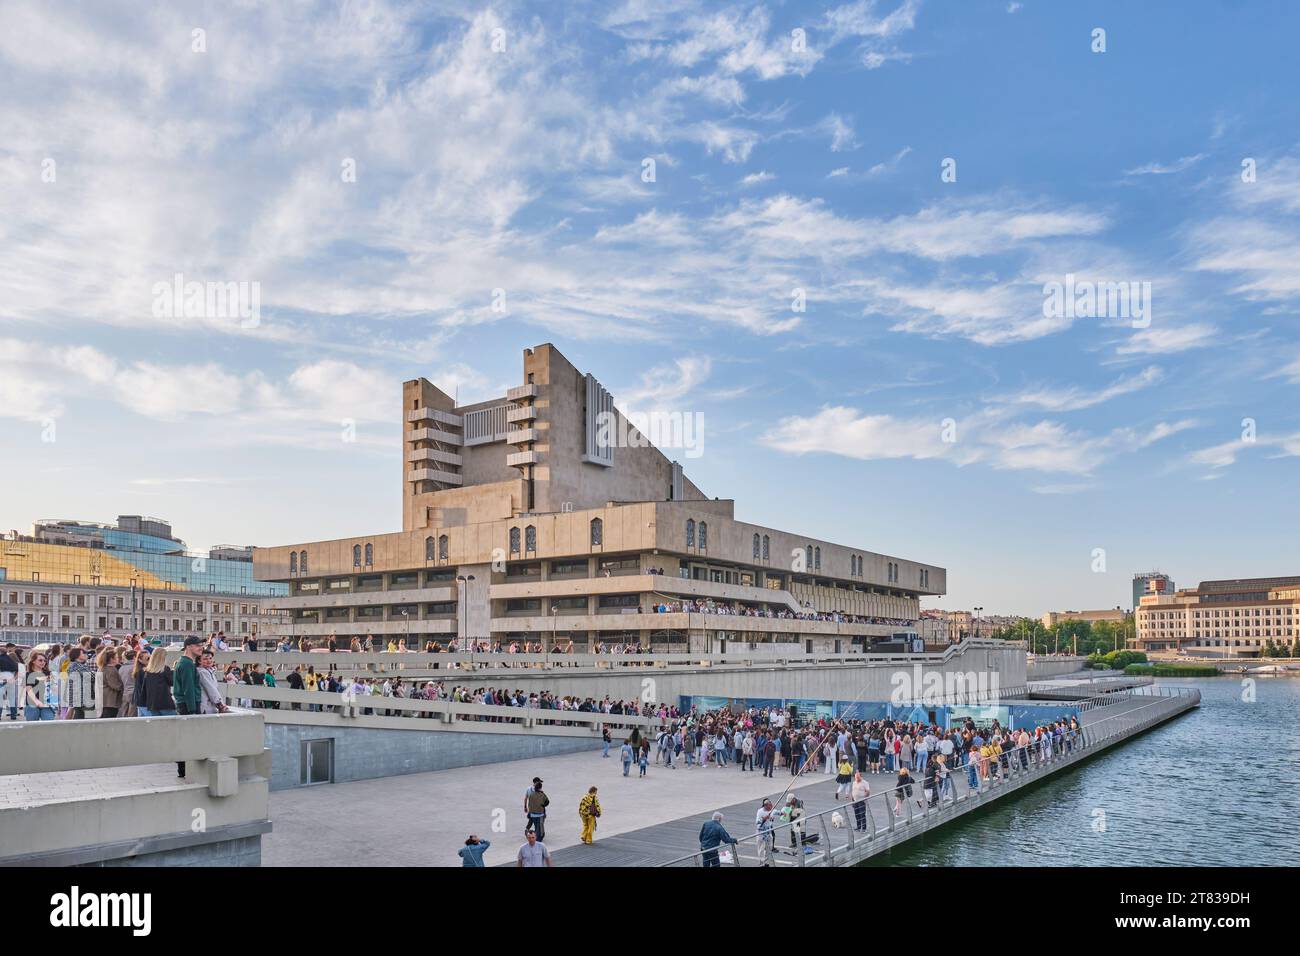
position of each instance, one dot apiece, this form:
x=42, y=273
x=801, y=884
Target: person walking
x=769, y=756
x=902, y=790
x=605, y=739
x=626, y=755
x=712, y=835
x=844, y=779
x=535, y=804
x=471, y=854
x=588, y=812
x=763, y=824
x=533, y=852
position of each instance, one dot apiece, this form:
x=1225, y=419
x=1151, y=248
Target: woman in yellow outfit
x=588, y=811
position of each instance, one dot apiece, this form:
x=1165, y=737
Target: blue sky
x=503, y=147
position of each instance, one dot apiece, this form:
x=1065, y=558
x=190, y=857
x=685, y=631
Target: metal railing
x=384, y=662
x=886, y=825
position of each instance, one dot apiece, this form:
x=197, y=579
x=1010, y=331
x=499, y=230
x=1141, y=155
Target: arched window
x=704, y=535
x=356, y=555
x=690, y=532
x=530, y=538
x=597, y=531
x=808, y=557
x=293, y=562
x=767, y=548
x=370, y=555
x=442, y=547
x=514, y=540
x=818, y=563
x=428, y=548
x=302, y=561
x=757, y=546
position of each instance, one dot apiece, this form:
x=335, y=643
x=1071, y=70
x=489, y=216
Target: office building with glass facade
x=72, y=577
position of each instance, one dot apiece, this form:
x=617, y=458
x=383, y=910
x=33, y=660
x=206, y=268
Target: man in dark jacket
x=185, y=684
x=713, y=834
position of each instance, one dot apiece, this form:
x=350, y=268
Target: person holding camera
x=471, y=854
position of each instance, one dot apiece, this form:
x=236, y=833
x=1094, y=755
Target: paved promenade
x=422, y=819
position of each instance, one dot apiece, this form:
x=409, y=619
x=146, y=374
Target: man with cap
x=535, y=804
x=185, y=684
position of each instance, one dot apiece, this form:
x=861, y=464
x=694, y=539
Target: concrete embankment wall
x=363, y=753
x=1039, y=668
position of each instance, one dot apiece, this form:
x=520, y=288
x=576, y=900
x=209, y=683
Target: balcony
x=433, y=415
x=432, y=454
x=521, y=459
x=434, y=434
x=433, y=474
x=521, y=414
x=521, y=392
x=520, y=436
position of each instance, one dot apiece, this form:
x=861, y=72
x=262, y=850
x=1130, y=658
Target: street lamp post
x=463, y=603
x=554, y=608
x=406, y=616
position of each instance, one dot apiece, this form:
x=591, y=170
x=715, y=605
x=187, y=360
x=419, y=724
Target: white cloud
x=1286, y=445
x=753, y=179
x=1164, y=169
x=664, y=386
x=1163, y=340
x=982, y=437
x=1056, y=399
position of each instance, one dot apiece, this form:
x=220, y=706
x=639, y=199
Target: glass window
x=704, y=535
x=530, y=538
x=597, y=531
x=767, y=550
x=514, y=540
x=356, y=555
x=293, y=562
x=428, y=548
x=370, y=555
x=442, y=547
x=690, y=532
x=758, y=546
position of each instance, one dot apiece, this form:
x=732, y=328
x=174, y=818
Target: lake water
x=1217, y=786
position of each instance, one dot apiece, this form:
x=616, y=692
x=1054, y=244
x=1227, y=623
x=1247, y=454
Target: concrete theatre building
x=1239, y=617
x=523, y=520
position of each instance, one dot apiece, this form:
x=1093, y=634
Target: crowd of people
x=97, y=677
x=710, y=606
x=368, y=644
x=763, y=740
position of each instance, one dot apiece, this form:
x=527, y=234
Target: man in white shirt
x=533, y=853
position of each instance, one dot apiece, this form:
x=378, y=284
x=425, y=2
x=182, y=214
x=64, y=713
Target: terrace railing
x=890, y=820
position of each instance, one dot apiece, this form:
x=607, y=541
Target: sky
x=840, y=234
